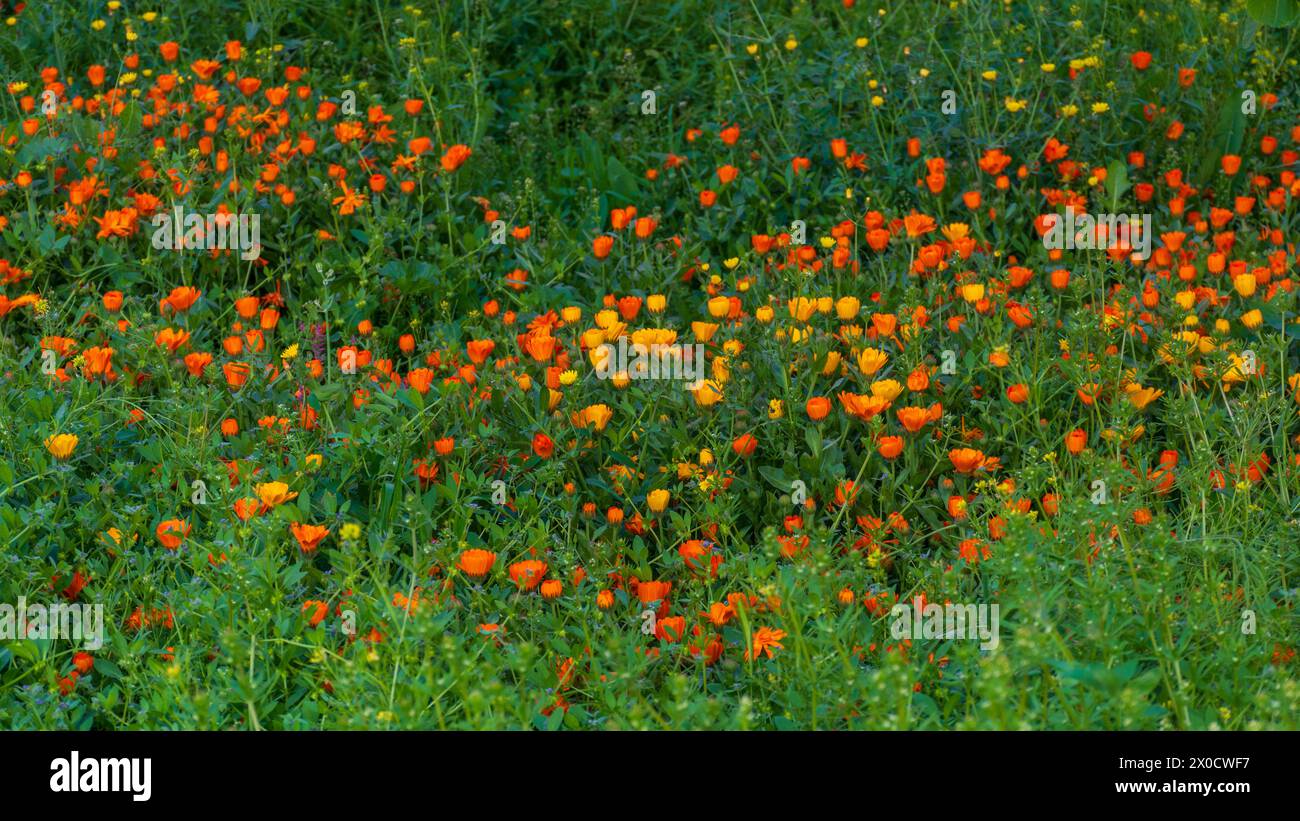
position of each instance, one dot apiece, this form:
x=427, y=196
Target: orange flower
x=172, y=532
x=236, y=373
x=648, y=592
x=183, y=298
x=552, y=588
x=918, y=224
x=966, y=460
x=763, y=641
x=420, y=379
x=309, y=536
x=527, y=574
x=479, y=350
x=817, y=408
x=912, y=418
x=1075, y=441
x=890, y=446
x=247, y=306
x=476, y=563
x=196, y=362
x=171, y=338
x=455, y=157
x=97, y=361
x=744, y=444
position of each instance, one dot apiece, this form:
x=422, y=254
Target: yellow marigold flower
x=704, y=331
x=886, y=389
x=872, y=360
x=274, y=493
x=1141, y=397
x=708, y=394
x=801, y=308
x=832, y=363
x=61, y=445
x=658, y=500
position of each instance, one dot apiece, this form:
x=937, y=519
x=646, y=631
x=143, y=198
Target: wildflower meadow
x=524, y=364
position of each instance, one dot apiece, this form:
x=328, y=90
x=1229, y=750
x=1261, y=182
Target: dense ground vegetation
x=372, y=478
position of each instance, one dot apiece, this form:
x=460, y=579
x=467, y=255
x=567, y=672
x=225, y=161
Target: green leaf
x=1275, y=13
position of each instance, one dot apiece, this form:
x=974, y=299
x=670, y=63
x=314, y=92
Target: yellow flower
x=721, y=370
x=972, y=291
x=832, y=363
x=61, y=445
x=847, y=307
x=775, y=409
x=1244, y=284
x=1100, y=108
x=990, y=75
x=801, y=308
x=273, y=493
x=708, y=394
x=887, y=389
x=656, y=303
x=658, y=500
x=872, y=360
x=1141, y=397
x=704, y=331
x=596, y=415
